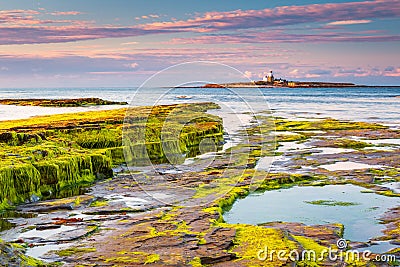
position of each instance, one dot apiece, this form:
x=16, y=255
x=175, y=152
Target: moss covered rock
x=44, y=155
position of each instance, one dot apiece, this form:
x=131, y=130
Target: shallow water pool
x=359, y=212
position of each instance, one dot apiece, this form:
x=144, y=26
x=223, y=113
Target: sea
x=370, y=104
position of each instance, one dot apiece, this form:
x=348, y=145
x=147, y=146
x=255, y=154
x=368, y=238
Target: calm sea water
x=358, y=104
x=291, y=205
x=377, y=104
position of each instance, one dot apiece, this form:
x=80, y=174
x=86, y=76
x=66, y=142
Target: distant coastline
x=281, y=84
x=269, y=81
x=297, y=85
x=292, y=85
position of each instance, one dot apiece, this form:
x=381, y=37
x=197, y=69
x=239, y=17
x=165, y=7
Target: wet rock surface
x=161, y=217
x=77, y=102
x=326, y=234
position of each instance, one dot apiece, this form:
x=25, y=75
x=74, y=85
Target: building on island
x=269, y=81
x=269, y=78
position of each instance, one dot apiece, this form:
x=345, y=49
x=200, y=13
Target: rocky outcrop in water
x=75, y=102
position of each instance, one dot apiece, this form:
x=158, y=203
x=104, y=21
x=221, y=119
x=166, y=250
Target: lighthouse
x=269, y=78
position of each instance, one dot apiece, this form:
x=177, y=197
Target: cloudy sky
x=71, y=43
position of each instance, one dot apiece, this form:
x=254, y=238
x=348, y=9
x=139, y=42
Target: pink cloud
x=18, y=12
x=66, y=13
x=22, y=26
x=359, y=72
x=150, y=16
x=28, y=18
x=278, y=36
x=133, y=65
x=130, y=43
x=243, y=56
x=285, y=15
x=349, y=22
x=392, y=72
x=60, y=34
x=308, y=75
x=17, y=16
x=248, y=74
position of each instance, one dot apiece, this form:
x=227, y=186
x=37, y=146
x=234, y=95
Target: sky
x=121, y=43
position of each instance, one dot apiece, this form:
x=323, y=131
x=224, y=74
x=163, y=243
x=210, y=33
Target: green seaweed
x=253, y=243
x=57, y=155
x=74, y=250
x=326, y=124
x=331, y=203
x=12, y=254
x=347, y=143
x=77, y=102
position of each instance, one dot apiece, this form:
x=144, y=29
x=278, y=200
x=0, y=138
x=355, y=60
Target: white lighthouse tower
x=269, y=78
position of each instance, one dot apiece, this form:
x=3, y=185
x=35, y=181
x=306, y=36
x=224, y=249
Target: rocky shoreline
x=73, y=102
x=155, y=216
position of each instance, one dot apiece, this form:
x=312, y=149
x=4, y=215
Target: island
x=269, y=81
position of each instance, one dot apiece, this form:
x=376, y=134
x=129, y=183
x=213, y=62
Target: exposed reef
x=13, y=255
x=137, y=219
x=76, y=102
x=43, y=156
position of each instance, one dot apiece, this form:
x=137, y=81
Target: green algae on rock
x=13, y=255
x=75, y=102
x=197, y=235
x=325, y=124
x=169, y=133
x=331, y=203
x=48, y=154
